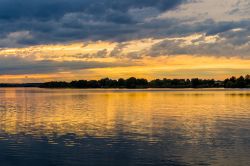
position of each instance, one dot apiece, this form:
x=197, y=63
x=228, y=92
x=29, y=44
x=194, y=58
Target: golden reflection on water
x=192, y=126
x=194, y=114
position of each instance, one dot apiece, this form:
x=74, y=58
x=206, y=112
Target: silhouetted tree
x=233, y=82
x=79, y=84
x=121, y=83
x=195, y=82
x=247, y=79
x=141, y=83
x=107, y=83
x=55, y=84
x=156, y=83
x=93, y=84
x=240, y=82
x=131, y=82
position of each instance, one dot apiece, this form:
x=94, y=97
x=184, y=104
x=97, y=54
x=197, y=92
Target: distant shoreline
x=20, y=85
x=141, y=83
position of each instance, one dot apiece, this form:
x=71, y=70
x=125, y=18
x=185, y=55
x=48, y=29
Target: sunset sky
x=44, y=40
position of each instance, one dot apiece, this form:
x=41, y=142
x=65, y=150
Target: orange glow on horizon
x=146, y=66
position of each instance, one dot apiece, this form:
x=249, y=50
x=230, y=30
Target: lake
x=70, y=127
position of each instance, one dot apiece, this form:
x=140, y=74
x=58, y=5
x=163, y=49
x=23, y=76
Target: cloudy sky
x=91, y=39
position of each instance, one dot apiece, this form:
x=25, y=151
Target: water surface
x=45, y=127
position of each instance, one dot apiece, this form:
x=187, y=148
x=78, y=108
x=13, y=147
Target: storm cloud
x=32, y=22
x=51, y=21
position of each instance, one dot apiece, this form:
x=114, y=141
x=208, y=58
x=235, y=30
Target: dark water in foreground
x=40, y=127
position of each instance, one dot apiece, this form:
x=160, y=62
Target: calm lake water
x=41, y=127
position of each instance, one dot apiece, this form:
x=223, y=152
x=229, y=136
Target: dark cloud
x=54, y=9
x=31, y=22
x=230, y=43
x=50, y=21
x=16, y=65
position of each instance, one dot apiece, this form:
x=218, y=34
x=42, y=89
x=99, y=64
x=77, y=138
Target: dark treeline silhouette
x=132, y=83
x=3, y=85
x=241, y=82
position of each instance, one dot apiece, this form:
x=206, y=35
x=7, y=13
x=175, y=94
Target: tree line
x=132, y=83
x=16, y=85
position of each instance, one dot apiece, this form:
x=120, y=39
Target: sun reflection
x=98, y=113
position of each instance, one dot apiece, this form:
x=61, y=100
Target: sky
x=91, y=39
